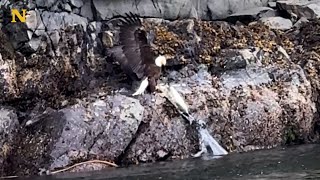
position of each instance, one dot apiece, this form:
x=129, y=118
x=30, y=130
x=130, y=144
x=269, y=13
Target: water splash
x=208, y=145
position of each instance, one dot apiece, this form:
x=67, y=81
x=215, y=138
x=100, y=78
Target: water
x=206, y=140
x=298, y=162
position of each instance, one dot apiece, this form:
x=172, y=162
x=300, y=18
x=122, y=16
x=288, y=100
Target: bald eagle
x=135, y=56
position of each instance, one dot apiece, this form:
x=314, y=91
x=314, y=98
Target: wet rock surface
x=277, y=22
x=169, y=9
x=98, y=130
x=255, y=85
x=251, y=14
x=9, y=125
x=301, y=8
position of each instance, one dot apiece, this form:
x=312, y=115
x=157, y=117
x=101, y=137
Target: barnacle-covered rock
x=101, y=129
x=8, y=79
x=252, y=108
x=9, y=126
x=53, y=73
x=210, y=39
x=306, y=53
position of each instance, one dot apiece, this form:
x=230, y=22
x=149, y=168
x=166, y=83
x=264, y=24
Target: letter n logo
x=15, y=13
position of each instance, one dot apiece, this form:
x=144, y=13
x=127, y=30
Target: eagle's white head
x=109, y=33
x=161, y=61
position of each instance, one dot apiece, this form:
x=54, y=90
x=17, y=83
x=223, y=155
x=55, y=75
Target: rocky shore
x=250, y=70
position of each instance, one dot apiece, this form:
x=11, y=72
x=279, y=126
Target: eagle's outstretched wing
x=135, y=46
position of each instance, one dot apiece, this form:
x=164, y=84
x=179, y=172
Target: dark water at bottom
x=298, y=162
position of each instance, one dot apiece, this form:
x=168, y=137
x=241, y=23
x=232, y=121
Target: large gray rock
x=265, y=107
x=272, y=4
x=8, y=81
x=58, y=21
x=251, y=14
x=86, y=10
x=164, y=135
x=35, y=30
x=25, y=36
x=9, y=125
x=254, y=12
x=17, y=33
x=300, y=22
x=33, y=20
x=43, y=24
x=301, y=8
x=38, y=74
x=168, y=9
x=66, y=7
x=277, y=22
x=98, y=130
x=76, y=3
x=101, y=129
x=45, y=4
x=251, y=99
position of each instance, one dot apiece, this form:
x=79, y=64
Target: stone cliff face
x=254, y=83
x=48, y=17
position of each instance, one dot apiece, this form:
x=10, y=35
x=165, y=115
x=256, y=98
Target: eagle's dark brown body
x=134, y=54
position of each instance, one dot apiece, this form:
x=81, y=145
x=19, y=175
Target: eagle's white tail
x=143, y=86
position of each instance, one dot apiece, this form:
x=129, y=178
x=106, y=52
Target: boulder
x=46, y=4
x=9, y=126
x=277, y=23
x=58, y=21
x=301, y=8
x=86, y=10
x=300, y=22
x=263, y=107
x=76, y=3
x=67, y=7
x=39, y=75
x=17, y=33
x=32, y=20
x=168, y=9
x=98, y=130
x=272, y=4
x=8, y=79
x=251, y=14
